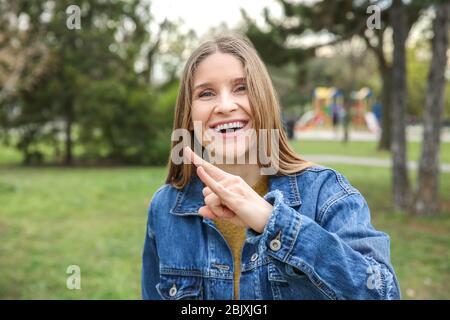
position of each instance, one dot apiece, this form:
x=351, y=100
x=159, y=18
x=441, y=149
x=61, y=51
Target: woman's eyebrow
x=207, y=84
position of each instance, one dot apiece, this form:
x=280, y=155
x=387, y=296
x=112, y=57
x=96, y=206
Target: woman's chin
x=229, y=157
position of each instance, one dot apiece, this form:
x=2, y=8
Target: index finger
x=215, y=186
x=211, y=169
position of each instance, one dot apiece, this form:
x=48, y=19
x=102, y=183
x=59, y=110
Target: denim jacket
x=318, y=244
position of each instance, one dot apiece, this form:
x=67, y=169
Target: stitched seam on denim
x=221, y=266
x=313, y=169
x=275, y=275
x=330, y=203
x=197, y=273
x=278, y=197
x=300, y=220
x=185, y=213
x=180, y=272
x=321, y=285
x=150, y=232
x=314, y=277
x=180, y=196
x=276, y=211
x=166, y=185
x=344, y=185
x=255, y=264
x=161, y=294
x=185, y=293
x=293, y=184
x=218, y=275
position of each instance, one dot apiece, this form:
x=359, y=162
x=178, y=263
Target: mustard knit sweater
x=235, y=236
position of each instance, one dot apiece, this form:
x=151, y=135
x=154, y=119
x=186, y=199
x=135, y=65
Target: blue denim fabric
x=318, y=244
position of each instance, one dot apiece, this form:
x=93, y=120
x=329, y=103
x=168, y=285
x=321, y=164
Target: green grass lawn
x=361, y=149
x=51, y=218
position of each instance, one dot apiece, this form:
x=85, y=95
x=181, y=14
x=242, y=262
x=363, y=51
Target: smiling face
x=236, y=89
x=221, y=106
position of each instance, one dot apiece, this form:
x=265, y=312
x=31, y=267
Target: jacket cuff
x=281, y=231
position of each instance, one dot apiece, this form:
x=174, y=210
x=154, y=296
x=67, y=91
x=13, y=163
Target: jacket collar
x=190, y=198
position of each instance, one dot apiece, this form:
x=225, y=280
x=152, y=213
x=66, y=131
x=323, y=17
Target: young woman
x=227, y=229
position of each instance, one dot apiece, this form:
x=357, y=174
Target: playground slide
x=306, y=121
x=372, y=122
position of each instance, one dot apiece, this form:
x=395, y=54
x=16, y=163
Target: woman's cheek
x=201, y=112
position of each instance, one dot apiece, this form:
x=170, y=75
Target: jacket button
x=173, y=291
x=254, y=257
x=275, y=245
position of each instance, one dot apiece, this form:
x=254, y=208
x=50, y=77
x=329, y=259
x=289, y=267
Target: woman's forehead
x=219, y=65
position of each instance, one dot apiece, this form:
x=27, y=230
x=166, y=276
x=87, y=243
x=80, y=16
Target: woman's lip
x=227, y=135
x=212, y=126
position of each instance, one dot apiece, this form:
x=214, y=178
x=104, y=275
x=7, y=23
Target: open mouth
x=230, y=127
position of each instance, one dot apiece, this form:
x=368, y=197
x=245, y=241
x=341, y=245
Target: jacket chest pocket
x=179, y=287
x=277, y=282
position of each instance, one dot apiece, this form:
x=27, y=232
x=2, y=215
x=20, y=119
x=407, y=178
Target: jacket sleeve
x=343, y=255
x=150, y=264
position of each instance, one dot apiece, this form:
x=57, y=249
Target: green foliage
x=418, y=67
x=339, y=23
x=91, y=97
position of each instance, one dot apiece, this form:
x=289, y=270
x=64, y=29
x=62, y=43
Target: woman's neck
x=249, y=172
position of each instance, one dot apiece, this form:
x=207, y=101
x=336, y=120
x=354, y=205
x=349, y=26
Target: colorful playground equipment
x=327, y=104
x=362, y=110
x=328, y=110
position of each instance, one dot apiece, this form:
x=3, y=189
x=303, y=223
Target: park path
x=363, y=161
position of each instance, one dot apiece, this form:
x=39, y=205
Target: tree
x=400, y=181
x=24, y=62
x=340, y=20
x=426, y=200
x=93, y=92
x=23, y=57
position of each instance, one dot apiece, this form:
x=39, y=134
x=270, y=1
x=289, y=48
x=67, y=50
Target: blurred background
x=87, y=94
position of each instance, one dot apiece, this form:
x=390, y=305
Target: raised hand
x=229, y=197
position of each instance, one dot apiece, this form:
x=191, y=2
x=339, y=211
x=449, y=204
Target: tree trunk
x=68, y=132
x=400, y=181
x=386, y=99
x=385, y=70
x=426, y=200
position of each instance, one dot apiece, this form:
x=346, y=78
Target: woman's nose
x=225, y=104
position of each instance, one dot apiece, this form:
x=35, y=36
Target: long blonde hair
x=263, y=102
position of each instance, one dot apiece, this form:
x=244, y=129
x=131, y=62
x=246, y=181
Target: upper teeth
x=230, y=125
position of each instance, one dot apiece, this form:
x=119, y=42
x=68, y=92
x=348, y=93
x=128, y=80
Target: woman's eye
x=210, y=93
x=205, y=94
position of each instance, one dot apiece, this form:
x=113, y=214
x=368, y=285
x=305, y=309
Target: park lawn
x=93, y=218
x=51, y=218
x=360, y=149
x=9, y=155
x=368, y=149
